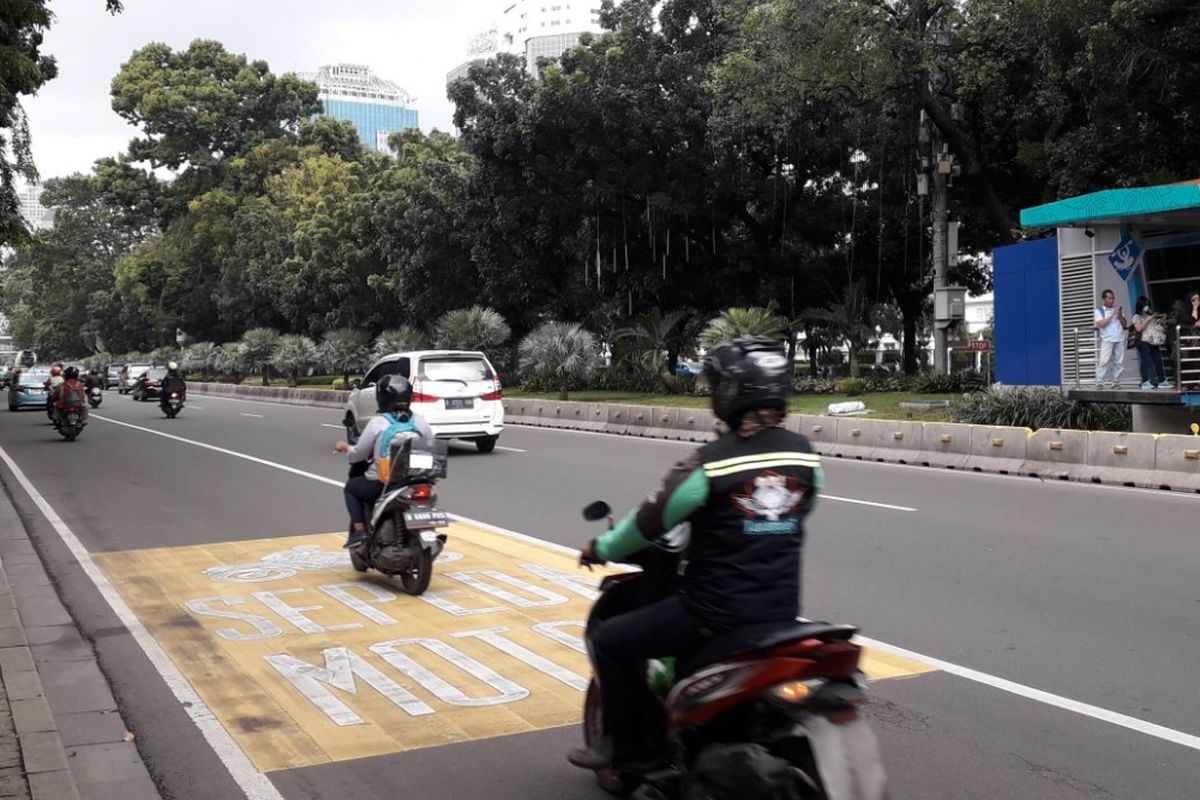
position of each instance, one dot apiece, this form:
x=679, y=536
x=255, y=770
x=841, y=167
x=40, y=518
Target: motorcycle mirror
x=596, y=511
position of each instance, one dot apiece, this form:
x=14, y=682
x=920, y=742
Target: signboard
x=979, y=346
x=1125, y=256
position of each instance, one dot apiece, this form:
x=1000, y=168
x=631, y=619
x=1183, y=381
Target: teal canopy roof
x=1148, y=204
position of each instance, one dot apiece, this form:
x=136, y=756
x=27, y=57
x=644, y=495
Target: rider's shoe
x=587, y=758
x=357, y=537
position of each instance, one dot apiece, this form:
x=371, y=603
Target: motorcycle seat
x=759, y=638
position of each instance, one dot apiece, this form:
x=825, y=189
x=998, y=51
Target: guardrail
x=1154, y=461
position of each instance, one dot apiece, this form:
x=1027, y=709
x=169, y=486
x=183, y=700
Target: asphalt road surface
x=1032, y=640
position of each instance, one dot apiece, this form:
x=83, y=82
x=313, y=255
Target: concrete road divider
x=695, y=425
x=1176, y=463
x=321, y=398
x=898, y=441
x=821, y=432
x=856, y=437
x=1001, y=450
x=617, y=420
x=1122, y=458
x=1056, y=453
x=641, y=420
x=945, y=444
x=597, y=417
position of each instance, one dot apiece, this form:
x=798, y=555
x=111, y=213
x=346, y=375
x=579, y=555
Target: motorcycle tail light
x=795, y=692
x=422, y=492
x=174, y=395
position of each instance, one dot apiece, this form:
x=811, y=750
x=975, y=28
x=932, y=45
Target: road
x=1050, y=629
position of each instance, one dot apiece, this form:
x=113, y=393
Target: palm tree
x=655, y=339
x=199, y=357
x=399, y=340
x=474, y=328
x=735, y=322
x=229, y=359
x=294, y=352
x=560, y=351
x=345, y=350
x=258, y=348
x=853, y=319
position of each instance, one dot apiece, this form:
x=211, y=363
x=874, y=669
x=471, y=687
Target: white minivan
x=456, y=391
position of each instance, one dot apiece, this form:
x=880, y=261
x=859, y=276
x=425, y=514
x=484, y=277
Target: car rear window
x=454, y=368
x=34, y=378
x=157, y=374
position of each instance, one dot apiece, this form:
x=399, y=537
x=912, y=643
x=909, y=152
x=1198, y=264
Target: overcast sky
x=412, y=42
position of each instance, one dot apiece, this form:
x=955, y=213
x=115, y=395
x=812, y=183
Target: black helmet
x=71, y=373
x=747, y=374
x=393, y=393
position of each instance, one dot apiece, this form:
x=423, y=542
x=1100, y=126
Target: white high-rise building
x=36, y=215
x=546, y=28
x=375, y=106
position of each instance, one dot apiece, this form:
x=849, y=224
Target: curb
x=73, y=743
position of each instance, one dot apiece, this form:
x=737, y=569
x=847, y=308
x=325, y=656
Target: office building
x=376, y=107
x=36, y=215
x=545, y=29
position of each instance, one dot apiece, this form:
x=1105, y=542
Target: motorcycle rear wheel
x=358, y=560
x=415, y=579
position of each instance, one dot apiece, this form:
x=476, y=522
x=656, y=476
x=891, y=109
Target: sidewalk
x=61, y=735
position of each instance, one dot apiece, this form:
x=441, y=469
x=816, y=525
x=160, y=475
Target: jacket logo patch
x=767, y=500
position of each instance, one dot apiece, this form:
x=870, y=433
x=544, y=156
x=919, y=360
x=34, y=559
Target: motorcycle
x=95, y=397
x=70, y=416
x=172, y=404
x=766, y=711
x=405, y=519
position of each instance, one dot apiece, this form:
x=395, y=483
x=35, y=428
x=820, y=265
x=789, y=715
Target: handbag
x=1132, y=338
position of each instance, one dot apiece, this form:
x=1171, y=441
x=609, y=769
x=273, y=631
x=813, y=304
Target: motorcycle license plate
x=459, y=403
x=417, y=520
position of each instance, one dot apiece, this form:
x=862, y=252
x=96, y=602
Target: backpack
x=72, y=394
x=383, y=447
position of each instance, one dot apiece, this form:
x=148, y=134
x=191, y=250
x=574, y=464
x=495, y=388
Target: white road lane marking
x=1057, y=701
x=335, y=427
x=255, y=416
x=510, y=449
x=255, y=784
x=871, y=503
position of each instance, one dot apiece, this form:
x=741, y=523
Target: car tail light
x=496, y=395
x=419, y=397
x=422, y=492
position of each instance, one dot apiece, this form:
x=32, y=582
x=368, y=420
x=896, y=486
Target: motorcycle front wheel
x=594, y=737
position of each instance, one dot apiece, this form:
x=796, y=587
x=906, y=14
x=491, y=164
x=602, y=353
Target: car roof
x=424, y=353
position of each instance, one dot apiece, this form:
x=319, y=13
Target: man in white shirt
x=1111, y=322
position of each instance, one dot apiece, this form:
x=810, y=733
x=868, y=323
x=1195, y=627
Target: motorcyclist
x=71, y=386
x=92, y=380
x=172, y=382
x=745, y=497
x=393, y=397
x=52, y=383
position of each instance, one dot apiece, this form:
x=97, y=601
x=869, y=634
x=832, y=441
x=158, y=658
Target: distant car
x=686, y=368
x=5, y=372
x=149, y=384
x=456, y=391
x=28, y=389
x=129, y=377
x=112, y=378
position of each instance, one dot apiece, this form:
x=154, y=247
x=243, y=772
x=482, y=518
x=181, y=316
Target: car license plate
x=453, y=403
x=416, y=520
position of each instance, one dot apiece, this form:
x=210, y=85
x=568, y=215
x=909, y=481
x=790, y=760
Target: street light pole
x=941, y=243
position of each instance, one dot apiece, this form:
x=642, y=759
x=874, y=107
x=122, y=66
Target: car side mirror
x=356, y=384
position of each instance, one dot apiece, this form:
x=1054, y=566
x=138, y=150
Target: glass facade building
x=376, y=107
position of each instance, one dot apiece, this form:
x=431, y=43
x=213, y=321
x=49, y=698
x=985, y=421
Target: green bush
x=339, y=384
x=852, y=387
x=1039, y=408
x=954, y=383
x=815, y=386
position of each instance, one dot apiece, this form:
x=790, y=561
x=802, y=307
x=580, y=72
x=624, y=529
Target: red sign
x=979, y=346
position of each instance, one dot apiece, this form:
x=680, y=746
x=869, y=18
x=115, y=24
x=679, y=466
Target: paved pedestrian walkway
x=61, y=735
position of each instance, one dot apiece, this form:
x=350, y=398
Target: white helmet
x=171, y=365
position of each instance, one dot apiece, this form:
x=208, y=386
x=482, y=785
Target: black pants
x=621, y=646
x=361, y=493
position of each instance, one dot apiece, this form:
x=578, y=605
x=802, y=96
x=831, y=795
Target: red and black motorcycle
x=771, y=712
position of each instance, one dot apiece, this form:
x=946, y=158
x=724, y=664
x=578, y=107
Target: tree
x=293, y=353
x=228, y=360
x=257, y=351
x=200, y=357
x=560, y=352
x=735, y=322
x=399, y=340
x=345, y=350
x=472, y=328
x=656, y=340
x=852, y=319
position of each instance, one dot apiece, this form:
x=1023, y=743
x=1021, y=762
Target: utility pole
x=941, y=240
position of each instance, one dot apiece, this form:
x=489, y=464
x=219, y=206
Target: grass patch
x=882, y=405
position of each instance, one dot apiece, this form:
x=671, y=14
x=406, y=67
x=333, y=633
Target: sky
x=412, y=42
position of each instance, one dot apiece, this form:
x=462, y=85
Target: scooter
x=405, y=520
x=70, y=419
x=769, y=711
x=172, y=404
x=95, y=396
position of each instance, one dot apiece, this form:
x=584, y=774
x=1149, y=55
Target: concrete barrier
x=695, y=425
x=617, y=419
x=274, y=394
x=1121, y=458
x=1055, y=453
x=1176, y=463
x=897, y=441
x=640, y=421
x=856, y=437
x=945, y=444
x=565, y=414
x=596, y=417
x=821, y=432
x=664, y=422
x=1000, y=450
